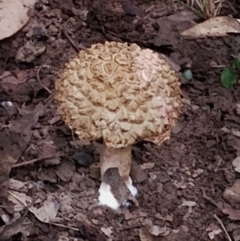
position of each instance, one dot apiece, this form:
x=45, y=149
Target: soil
x=182, y=182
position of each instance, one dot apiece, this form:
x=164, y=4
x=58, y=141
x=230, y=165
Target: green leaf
x=228, y=77
x=236, y=64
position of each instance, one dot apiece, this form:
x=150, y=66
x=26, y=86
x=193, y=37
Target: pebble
x=188, y=75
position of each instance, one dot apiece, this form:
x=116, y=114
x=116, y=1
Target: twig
x=74, y=45
x=63, y=226
x=32, y=161
x=4, y=229
x=210, y=199
x=224, y=229
x=131, y=227
x=39, y=80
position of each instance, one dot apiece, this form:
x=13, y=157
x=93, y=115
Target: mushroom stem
x=120, y=158
x=116, y=157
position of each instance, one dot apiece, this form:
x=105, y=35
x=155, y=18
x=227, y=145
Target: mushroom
x=120, y=93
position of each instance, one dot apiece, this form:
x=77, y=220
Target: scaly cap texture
x=119, y=92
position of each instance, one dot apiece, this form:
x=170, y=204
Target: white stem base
x=106, y=197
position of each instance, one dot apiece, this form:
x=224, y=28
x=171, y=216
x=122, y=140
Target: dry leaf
x=14, y=15
x=13, y=141
x=236, y=164
x=232, y=194
x=236, y=235
x=20, y=200
x=232, y=213
x=197, y=172
x=145, y=235
x=213, y=230
x=213, y=27
x=188, y=204
x=148, y=165
x=137, y=173
x=156, y=230
x=107, y=231
x=48, y=211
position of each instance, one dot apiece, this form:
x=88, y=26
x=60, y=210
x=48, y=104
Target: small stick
x=207, y=198
x=32, y=161
x=224, y=229
x=74, y=45
x=131, y=227
x=4, y=229
x=39, y=80
x=63, y=226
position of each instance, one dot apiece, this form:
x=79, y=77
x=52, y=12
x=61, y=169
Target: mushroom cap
x=119, y=92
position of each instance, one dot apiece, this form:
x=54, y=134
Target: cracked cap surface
x=119, y=92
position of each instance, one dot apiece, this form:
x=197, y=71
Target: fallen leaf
x=13, y=142
x=213, y=27
x=137, y=174
x=148, y=165
x=145, y=235
x=63, y=238
x=48, y=211
x=188, y=204
x=156, y=230
x=29, y=51
x=19, y=199
x=94, y=171
x=173, y=235
x=180, y=185
x=132, y=10
x=17, y=77
x=197, y=172
x=15, y=226
x=66, y=170
x=236, y=235
x=91, y=233
x=170, y=28
x=236, y=164
x=107, y=231
x=14, y=15
x=213, y=230
x=233, y=214
x=232, y=194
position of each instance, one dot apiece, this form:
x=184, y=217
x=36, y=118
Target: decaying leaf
x=107, y=231
x=13, y=142
x=16, y=77
x=14, y=15
x=148, y=165
x=165, y=234
x=190, y=205
x=232, y=213
x=232, y=194
x=48, y=211
x=29, y=51
x=213, y=230
x=236, y=164
x=213, y=27
x=137, y=173
x=145, y=235
x=236, y=234
x=156, y=230
x=20, y=200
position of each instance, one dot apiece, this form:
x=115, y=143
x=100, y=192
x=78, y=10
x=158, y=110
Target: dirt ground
x=182, y=184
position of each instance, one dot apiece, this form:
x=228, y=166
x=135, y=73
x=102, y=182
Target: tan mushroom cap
x=119, y=92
